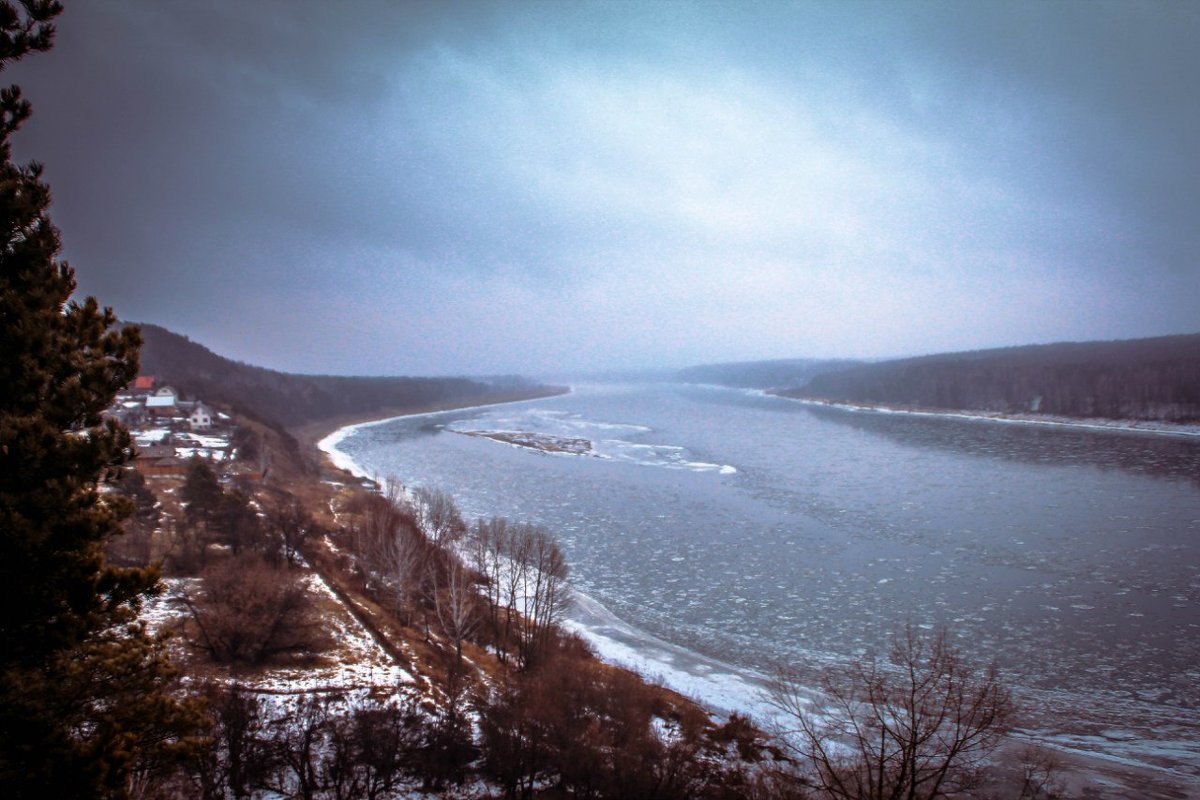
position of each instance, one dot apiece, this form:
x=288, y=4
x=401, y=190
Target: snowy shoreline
x=328, y=444
x=1108, y=425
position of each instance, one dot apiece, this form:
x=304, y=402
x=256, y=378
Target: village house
x=160, y=461
x=161, y=405
x=201, y=418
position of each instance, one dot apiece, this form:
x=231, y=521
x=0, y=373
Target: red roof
x=143, y=382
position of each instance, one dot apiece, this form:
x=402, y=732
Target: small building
x=169, y=467
x=159, y=461
x=166, y=391
x=201, y=418
x=161, y=405
x=144, y=383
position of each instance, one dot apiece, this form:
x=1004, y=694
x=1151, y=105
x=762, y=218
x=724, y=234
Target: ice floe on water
x=564, y=433
x=1066, y=556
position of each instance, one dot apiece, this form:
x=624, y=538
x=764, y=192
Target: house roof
x=161, y=401
x=156, y=451
x=143, y=382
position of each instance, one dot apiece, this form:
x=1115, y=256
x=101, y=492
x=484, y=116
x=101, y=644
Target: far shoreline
x=1099, y=424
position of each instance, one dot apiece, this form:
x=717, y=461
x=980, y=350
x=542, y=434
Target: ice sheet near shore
x=1117, y=425
x=721, y=688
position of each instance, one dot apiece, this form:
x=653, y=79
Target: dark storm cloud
x=425, y=187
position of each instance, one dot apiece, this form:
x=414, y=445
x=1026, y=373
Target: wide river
x=727, y=531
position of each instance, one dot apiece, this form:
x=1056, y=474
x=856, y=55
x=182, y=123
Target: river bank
x=1113, y=425
x=314, y=435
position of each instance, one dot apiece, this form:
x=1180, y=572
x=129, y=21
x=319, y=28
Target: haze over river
x=754, y=529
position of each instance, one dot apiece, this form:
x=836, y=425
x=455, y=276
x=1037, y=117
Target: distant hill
x=1148, y=379
x=779, y=373
x=295, y=400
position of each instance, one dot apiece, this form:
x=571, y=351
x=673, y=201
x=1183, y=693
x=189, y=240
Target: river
x=714, y=533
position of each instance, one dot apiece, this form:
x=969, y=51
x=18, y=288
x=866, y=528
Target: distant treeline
x=781, y=373
x=1147, y=379
x=294, y=400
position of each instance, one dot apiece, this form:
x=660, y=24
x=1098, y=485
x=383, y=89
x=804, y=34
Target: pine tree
x=84, y=702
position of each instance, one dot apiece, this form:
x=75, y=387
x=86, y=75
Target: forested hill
x=295, y=400
x=780, y=373
x=1147, y=379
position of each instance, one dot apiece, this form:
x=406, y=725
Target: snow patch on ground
x=356, y=660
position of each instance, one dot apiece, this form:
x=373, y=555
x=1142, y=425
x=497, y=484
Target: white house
x=201, y=418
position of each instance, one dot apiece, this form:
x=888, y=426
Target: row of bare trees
x=496, y=582
x=332, y=746
x=524, y=574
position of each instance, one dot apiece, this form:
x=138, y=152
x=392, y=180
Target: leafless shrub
x=298, y=741
x=239, y=757
x=920, y=727
x=289, y=525
x=249, y=611
x=1040, y=774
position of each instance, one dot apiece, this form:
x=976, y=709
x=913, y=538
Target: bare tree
x=300, y=740
x=375, y=519
x=524, y=579
x=514, y=560
x=438, y=516
x=457, y=603
x=1040, y=772
x=290, y=525
x=390, y=546
x=486, y=548
x=921, y=727
x=249, y=611
x=399, y=564
x=238, y=758
x=545, y=592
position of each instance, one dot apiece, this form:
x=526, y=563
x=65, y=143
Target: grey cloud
x=399, y=187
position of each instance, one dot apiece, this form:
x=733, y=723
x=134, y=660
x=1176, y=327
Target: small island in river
x=542, y=442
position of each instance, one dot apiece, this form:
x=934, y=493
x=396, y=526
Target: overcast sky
x=430, y=188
